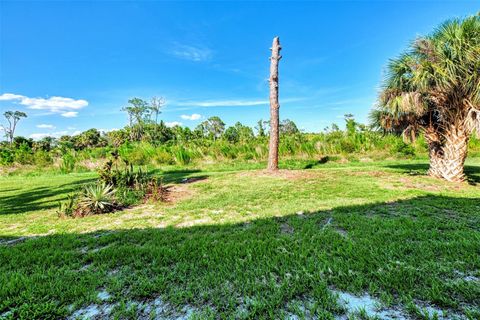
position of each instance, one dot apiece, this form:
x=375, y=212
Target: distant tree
x=65, y=143
x=158, y=133
x=245, y=133
x=156, y=104
x=350, y=124
x=13, y=117
x=231, y=134
x=335, y=127
x=212, y=128
x=45, y=144
x=182, y=134
x=288, y=127
x=260, y=127
x=117, y=137
x=88, y=139
x=19, y=140
x=138, y=112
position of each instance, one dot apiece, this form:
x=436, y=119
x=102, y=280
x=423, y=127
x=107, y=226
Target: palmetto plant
x=434, y=88
x=98, y=198
x=68, y=208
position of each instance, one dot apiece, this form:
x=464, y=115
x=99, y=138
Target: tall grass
x=334, y=145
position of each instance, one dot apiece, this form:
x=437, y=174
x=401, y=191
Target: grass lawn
x=331, y=242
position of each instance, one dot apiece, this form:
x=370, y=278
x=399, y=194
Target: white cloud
x=10, y=96
x=38, y=136
x=107, y=130
x=61, y=105
x=46, y=126
x=232, y=102
x=173, y=124
x=191, y=53
x=223, y=103
x=192, y=117
x=69, y=114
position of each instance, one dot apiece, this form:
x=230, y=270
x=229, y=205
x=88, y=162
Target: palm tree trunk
x=274, y=106
x=447, y=155
x=435, y=152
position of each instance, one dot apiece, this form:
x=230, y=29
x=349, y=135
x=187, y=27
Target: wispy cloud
x=69, y=114
x=231, y=103
x=223, y=103
x=173, y=124
x=192, y=53
x=192, y=117
x=340, y=105
x=59, y=105
x=46, y=126
x=38, y=136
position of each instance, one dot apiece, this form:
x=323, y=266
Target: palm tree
x=434, y=89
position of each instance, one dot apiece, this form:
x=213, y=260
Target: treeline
x=147, y=141
x=210, y=141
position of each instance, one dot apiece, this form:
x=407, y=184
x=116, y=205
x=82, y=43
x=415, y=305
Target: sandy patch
x=282, y=173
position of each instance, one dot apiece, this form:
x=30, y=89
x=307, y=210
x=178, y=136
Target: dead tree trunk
x=274, y=106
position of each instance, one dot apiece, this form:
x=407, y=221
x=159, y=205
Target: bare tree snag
x=274, y=106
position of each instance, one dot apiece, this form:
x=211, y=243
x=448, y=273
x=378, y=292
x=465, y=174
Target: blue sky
x=72, y=65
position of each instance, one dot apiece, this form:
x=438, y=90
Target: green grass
x=244, y=244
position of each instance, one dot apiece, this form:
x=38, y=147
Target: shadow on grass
x=180, y=175
x=406, y=250
x=472, y=172
x=37, y=198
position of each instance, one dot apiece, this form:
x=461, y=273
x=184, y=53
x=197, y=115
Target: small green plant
x=96, y=199
x=68, y=208
x=155, y=190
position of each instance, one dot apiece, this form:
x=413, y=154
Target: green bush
x=68, y=162
x=182, y=156
x=7, y=156
x=347, y=146
x=42, y=159
x=161, y=156
x=23, y=154
x=402, y=148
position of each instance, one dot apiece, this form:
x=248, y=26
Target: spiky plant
x=434, y=88
x=98, y=198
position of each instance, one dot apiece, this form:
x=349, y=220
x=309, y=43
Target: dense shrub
x=182, y=155
x=68, y=162
x=23, y=154
x=7, y=156
x=400, y=147
x=42, y=158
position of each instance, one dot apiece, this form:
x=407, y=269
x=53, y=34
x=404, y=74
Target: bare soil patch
x=282, y=173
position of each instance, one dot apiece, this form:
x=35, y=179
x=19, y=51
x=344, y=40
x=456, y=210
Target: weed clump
x=119, y=185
